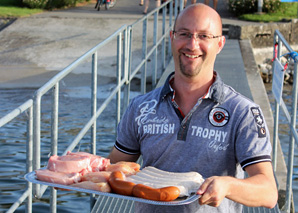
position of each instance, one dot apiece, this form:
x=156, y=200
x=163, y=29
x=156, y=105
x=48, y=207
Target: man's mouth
x=191, y=56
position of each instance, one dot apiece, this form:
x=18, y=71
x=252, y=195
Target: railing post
x=36, y=139
x=163, y=52
x=176, y=8
x=144, y=50
x=119, y=66
x=93, y=101
x=93, y=112
x=276, y=117
x=171, y=27
x=155, y=33
x=291, y=152
x=181, y=5
x=54, y=139
x=127, y=67
x=29, y=156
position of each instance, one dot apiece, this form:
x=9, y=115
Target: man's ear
x=221, y=43
x=171, y=34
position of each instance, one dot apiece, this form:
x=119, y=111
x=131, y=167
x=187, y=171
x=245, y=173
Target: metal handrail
x=26, y=107
x=279, y=42
x=125, y=73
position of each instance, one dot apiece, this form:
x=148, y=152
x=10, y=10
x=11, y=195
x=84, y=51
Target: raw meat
x=103, y=186
x=133, y=165
x=68, y=163
x=97, y=163
x=57, y=177
x=125, y=168
x=96, y=177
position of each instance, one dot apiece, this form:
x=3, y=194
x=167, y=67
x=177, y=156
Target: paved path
x=35, y=48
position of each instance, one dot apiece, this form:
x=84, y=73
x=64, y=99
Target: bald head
x=199, y=12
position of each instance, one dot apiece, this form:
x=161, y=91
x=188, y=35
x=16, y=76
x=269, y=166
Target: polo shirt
x=220, y=136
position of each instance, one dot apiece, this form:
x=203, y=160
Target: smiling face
x=195, y=56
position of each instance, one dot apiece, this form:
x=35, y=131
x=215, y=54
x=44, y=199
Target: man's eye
x=203, y=36
x=183, y=34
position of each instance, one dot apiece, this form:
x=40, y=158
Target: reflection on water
x=73, y=114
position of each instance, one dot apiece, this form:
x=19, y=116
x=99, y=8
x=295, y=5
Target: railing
x=128, y=68
x=26, y=107
x=281, y=45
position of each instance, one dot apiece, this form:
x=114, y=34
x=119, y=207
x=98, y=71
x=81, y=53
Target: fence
x=281, y=45
x=130, y=43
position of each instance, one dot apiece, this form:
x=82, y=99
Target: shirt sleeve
x=253, y=141
x=127, y=134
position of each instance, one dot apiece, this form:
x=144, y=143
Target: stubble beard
x=187, y=71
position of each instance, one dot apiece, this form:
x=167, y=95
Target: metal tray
x=31, y=177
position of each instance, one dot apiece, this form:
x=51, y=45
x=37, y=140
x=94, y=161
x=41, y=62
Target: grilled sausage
x=120, y=186
x=169, y=193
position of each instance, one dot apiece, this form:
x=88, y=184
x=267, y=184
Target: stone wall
x=261, y=35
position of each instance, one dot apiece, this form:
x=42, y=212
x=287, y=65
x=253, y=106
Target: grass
x=14, y=9
x=287, y=12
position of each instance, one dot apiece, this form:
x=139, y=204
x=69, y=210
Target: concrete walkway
x=35, y=48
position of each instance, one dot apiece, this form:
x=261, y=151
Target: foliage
x=51, y=4
x=35, y=3
x=286, y=12
x=271, y=6
x=239, y=7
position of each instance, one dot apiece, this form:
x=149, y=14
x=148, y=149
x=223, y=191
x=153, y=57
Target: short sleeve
x=253, y=140
x=127, y=134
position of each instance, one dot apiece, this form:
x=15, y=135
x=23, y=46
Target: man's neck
x=189, y=90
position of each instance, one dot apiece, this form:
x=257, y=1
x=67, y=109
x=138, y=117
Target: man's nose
x=193, y=41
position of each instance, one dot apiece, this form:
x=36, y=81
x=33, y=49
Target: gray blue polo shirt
x=220, y=136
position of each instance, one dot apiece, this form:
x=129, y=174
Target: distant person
x=214, y=3
x=192, y=2
x=157, y=4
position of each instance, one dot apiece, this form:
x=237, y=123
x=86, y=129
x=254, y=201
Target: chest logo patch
x=218, y=117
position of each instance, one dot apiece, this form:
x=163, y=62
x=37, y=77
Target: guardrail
x=26, y=107
x=280, y=46
x=128, y=68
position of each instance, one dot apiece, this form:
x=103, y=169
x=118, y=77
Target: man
x=197, y=123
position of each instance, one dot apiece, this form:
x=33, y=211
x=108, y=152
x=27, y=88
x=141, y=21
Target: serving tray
x=31, y=177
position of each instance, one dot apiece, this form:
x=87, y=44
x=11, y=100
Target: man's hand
x=214, y=190
x=259, y=189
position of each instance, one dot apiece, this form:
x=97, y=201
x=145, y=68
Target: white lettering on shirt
x=211, y=134
x=153, y=125
x=158, y=128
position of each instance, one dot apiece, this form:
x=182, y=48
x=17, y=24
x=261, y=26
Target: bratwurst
x=120, y=186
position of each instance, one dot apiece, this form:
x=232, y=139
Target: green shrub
x=271, y=6
x=60, y=3
x=41, y=4
x=50, y=4
x=240, y=7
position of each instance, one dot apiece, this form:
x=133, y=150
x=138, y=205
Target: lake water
x=75, y=113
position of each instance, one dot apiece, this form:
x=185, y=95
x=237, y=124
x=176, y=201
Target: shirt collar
x=215, y=91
